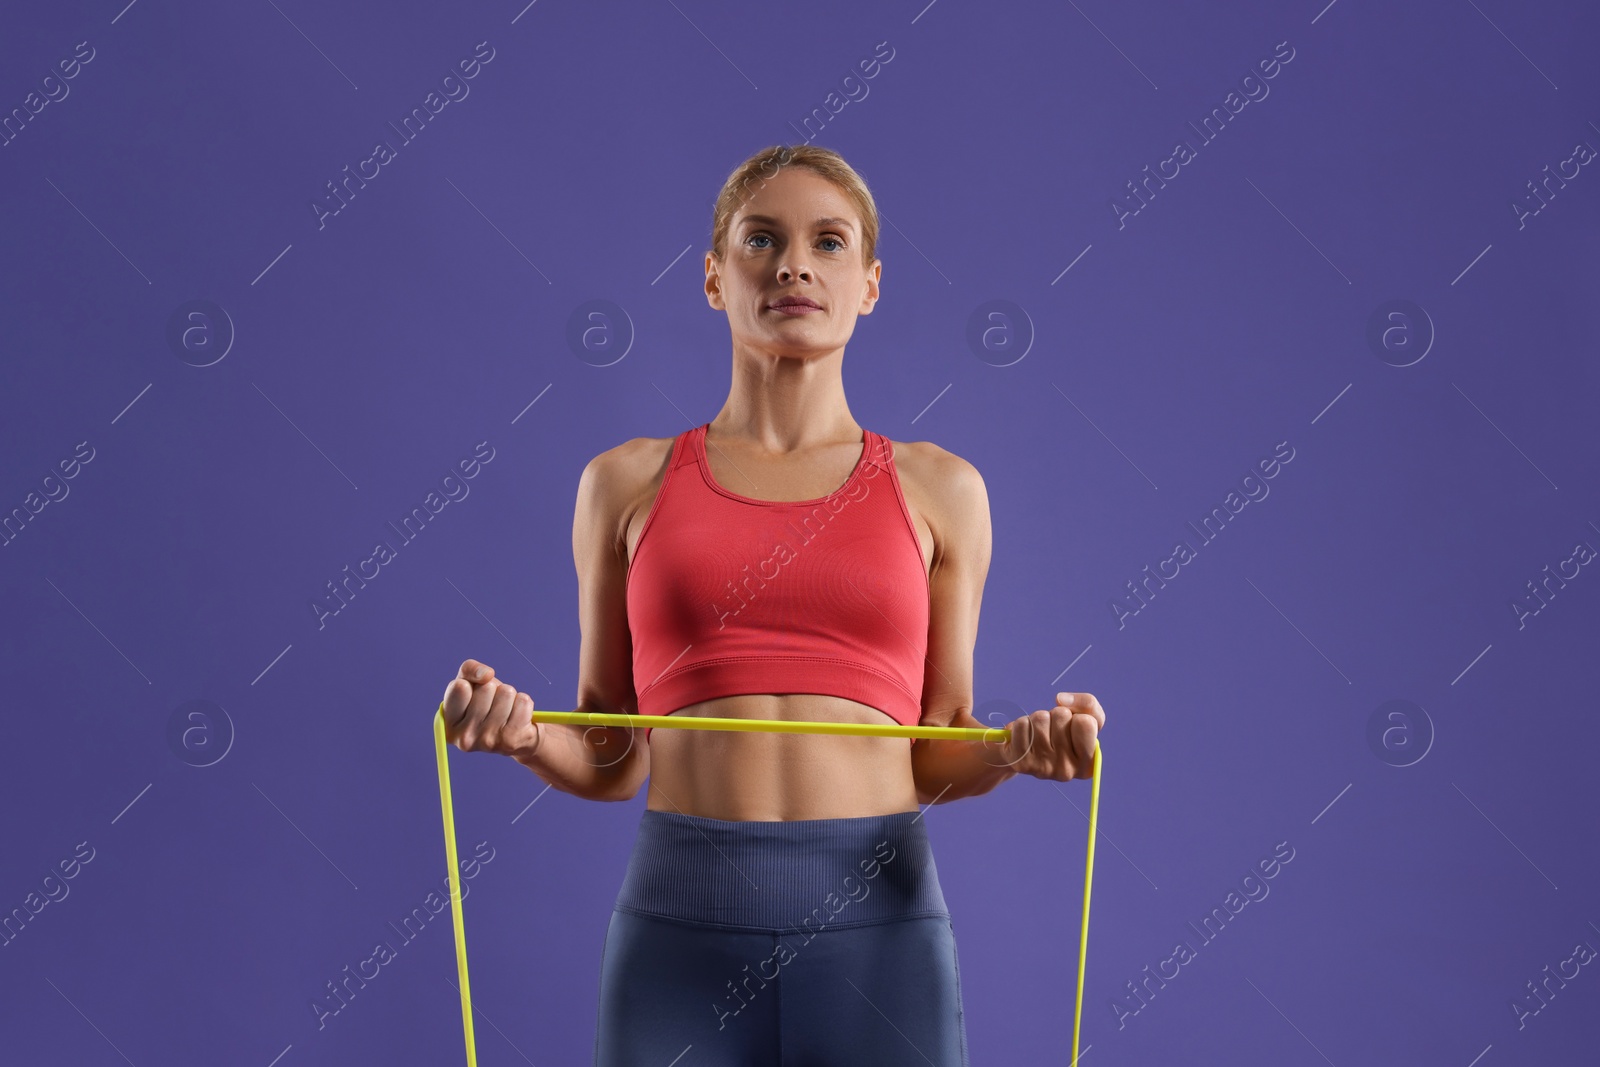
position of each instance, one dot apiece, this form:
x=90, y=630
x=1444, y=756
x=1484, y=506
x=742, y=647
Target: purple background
x=1246, y=698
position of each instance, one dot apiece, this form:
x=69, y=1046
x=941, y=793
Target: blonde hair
x=823, y=161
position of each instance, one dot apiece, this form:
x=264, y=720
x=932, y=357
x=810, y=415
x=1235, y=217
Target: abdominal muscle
x=749, y=775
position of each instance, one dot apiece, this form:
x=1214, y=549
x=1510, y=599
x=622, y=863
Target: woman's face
x=796, y=235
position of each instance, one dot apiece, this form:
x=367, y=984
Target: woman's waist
x=798, y=874
x=751, y=775
x=739, y=783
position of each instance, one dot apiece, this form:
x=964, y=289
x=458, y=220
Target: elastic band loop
x=441, y=754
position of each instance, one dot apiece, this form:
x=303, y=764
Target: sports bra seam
x=905, y=513
x=766, y=658
x=915, y=719
x=655, y=507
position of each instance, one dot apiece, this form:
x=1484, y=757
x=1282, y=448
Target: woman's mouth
x=794, y=306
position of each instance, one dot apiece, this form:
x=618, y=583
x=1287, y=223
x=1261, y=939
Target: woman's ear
x=874, y=272
x=714, y=283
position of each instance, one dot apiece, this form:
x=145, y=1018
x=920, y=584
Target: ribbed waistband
x=779, y=876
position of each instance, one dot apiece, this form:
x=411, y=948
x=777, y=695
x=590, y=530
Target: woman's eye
x=839, y=245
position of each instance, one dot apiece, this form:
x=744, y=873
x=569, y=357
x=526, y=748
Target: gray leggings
x=809, y=943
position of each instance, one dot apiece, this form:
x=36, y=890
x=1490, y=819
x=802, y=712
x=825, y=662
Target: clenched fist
x=485, y=715
x=1058, y=744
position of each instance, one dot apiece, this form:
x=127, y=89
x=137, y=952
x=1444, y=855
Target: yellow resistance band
x=692, y=722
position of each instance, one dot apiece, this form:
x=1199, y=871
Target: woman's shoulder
x=936, y=471
x=945, y=489
x=632, y=467
x=619, y=481
x=637, y=456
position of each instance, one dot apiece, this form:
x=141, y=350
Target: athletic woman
x=781, y=904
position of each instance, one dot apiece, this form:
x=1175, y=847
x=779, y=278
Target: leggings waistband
x=779, y=876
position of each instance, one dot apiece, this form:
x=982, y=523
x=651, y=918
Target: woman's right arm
x=593, y=762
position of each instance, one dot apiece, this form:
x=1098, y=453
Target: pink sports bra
x=727, y=594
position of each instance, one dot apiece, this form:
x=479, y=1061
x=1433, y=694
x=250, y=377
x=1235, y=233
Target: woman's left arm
x=1057, y=744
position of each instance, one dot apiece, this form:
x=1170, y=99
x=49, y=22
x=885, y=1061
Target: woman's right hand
x=482, y=714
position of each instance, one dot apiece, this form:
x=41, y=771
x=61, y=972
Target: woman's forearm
x=945, y=770
x=592, y=762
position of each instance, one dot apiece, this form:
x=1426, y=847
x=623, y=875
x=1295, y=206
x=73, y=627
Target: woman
x=781, y=905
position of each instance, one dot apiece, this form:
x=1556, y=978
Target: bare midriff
x=749, y=776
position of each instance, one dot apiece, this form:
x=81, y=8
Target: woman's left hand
x=1058, y=744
